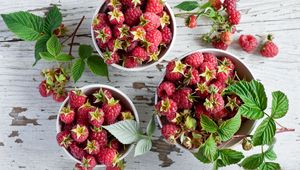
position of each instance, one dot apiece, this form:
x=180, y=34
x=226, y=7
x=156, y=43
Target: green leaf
x=206, y=5
x=269, y=166
x=249, y=112
x=208, y=124
x=151, y=126
x=201, y=157
x=85, y=51
x=53, y=45
x=253, y=161
x=187, y=5
x=25, y=25
x=47, y=56
x=265, y=132
x=218, y=164
x=40, y=46
x=97, y=65
x=280, y=104
x=53, y=20
x=126, y=131
x=230, y=156
x=77, y=69
x=210, y=148
x=229, y=127
x=142, y=146
x=64, y=57
x=270, y=154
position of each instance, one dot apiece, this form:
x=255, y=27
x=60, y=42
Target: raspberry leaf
x=230, y=156
x=78, y=69
x=280, y=104
x=187, y=5
x=25, y=25
x=269, y=166
x=40, y=46
x=229, y=127
x=208, y=151
x=253, y=161
x=249, y=112
x=47, y=56
x=53, y=20
x=270, y=154
x=53, y=46
x=151, y=127
x=265, y=132
x=142, y=146
x=97, y=65
x=85, y=51
x=208, y=125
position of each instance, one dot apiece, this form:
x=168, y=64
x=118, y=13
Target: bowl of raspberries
x=193, y=85
x=79, y=126
x=133, y=35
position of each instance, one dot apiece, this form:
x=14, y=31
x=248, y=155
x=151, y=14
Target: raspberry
x=210, y=58
x=202, y=90
x=207, y=71
x=154, y=36
x=227, y=63
x=155, y=6
x=107, y=156
x=113, y=4
x=116, y=17
x=82, y=115
x=166, y=106
x=152, y=48
x=114, y=44
x=129, y=44
x=132, y=16
x=63, y=139
x=92, y=147
x=140, y=53
x=248, y=42
x=216, y=4
x=269, y=49
x=171, y=117
x=121, y=32
x=170, y=132
x=100, y=135
x=165, y=89
x=44, y=89
x=59, y=96
x=100, y=21
x=229, y=5
x=131, y=3
x=111, y=57
x=217, y=43
x=79, y=133
x=103, y=35
x=199, y=110
x=76, y=99
x=233, y=102
x=76, y=151
x=191, y=22
x=183, y=98
x=150, y=21
x=111, y=110
x=214, y=103
x=221, y=114
x=191, y=77
x=101, y=96
x=96, y=118
x=226, y=37
x=194, y=60
x=234, y=17
x=138, y=33
x=175, y=71
x=167, y=35
x=130, y=62
x=88, y=162
x=67, y=115
x=217, y=87
x=114, y=143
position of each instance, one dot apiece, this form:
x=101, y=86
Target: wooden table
x=27, y=123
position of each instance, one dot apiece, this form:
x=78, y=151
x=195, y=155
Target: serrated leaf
x=53, y=45
x=126, y=131
x=270, y=154
x=53, y=20
x=77, y=69
x=85, y=51
x=47, y=56
x=64, y=57
x=200, y=156
x=218, y=164
x=40, y=46
x=151, y=126
x=142, y=146
x=25, y=25
x=208, y=124
x=280, y=104
x=249, y=112
x=269, y=166
x=265, y=132
x=97, y=65
x=253, y=161
x=230, y=156
x=229, y=127
x=187, y=5
x=210, y=148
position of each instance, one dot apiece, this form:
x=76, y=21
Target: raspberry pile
x=133, y=32
x=192, y=87
x=81, y=128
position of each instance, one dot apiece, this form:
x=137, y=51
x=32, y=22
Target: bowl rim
x=208, y=50
x=85, y=88
x=143, y=67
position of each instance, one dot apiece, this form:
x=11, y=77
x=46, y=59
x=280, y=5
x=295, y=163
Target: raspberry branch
x=74, y=33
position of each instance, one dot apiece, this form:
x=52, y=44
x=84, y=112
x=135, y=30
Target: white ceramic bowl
x=124, y=99
x=162, y=54
x=243, y=72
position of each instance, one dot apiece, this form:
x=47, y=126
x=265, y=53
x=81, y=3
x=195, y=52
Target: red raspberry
x=202, y=90
x=191, y=21
x=191, y=76
x=226, y=37
x=269, y=48
x=234, y=17
x=233, y=102
x=154, y=36
x=100, y=135
x=103, y=35
x=152, y=48
x=114, y=143
x=165, y=89
x=171, y=117
x=140, y=53
x=76, y=151
x=132, y=16
x=248, y=42
x=207, y=71
x=76, y=99
x=96, y=118
x=63, y=139
x=79, y=133
x=217, y=87
x=167, y=35
x=112, y=110
x=111, y=57
x=113, y=4
x=216, y=4
x=130, y=62
x=113, y=168
x=214, y=103
x=131, y=3
x=102, y=96
x=67, y=115
x=92, y=147
x=221, y=114
x=150, y=21
x=116, y=17
x=166, y=106
x=87, y=163
x=121, y=32
x=210, y=58
x=44, y=89
x=227, y=63
x=170, y=132
x=229, y=5
x=183, y=98
x=175, y=71
x=155, y=6
x=114, y=45
x=100, y=21
x=199, y=110
x=101, y=45
x=138, y=33
x=129, y=44
x=82, y=115
x=194, y=60
x=107, y=156
x=59, y=96
x=218, y=43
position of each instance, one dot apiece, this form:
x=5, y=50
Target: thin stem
x=281, y=130
x=242, y=136
x=186, y=13
x=74, y=33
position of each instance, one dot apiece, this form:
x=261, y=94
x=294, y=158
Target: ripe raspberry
x=111, y=57
x=150, y=21
x=167, y=35
x=63, y=139
x=96, y=118
x=131, y=3
x=92, y=147
x=223, y=72
x=218, y=43
x=67, y=115
x=221, y=114
x=138, y=33
x=216, y=4
x=112, y=110
x=175, y=71
x=101, y=96
x=233, y=102
x=82, y=115
x=227, y=63
x=140, y=53
x=183, y=98
x=248, y=42
x=129, y=44
x=194, y=60
x=226, y=37
x=214, y=103
x=202, y=90
x=191, y=76
x=100, y=21
x=107, y=156
x=191, y=22
x=229, y=5
x=154, y=36
x=166, y=106
x=80, y=133
x=101, y=45
x=171, y=117
x=116, y=17
x=269, y=49
x=115, y=144
x=234, y=17
x=114, y=45
x=170, y=132
x=121, y=32
x=113, y=4
x=76, y=151
x=88, y=162
x=155, y=6
x=207, y=71
x=152, y=48
x=217, y=87
x=59, y=96
x=165, y=89
x=199, y=110
x=76, y=98
x=130, y=62
x=210, y=58
x=132, y=16
x=99, y=135
x=103, y=35
x=44, y=89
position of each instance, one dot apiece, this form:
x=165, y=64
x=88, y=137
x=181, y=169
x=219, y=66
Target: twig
x=74, y=33
x=281, y=130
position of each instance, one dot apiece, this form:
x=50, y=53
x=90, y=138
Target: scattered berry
x=44, y=89
x=269, y=49
x=191, y=21
x=248, y=42
x=234, y=17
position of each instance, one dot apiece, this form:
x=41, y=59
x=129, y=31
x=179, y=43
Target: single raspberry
x=96, y=118
x=226, y=37
x=88, y=162
x=102, y=96
x=210, y=58
x=131, y=3
x=229, y=5
x=164, y=19
x=199, y=110
x=150, y=21
x=63, y=139
x=194, y=60
x=155, y=6
x=248, y=42
x=99, y=135
x=76, y=99
x=167, y=35
x=113, y=4
x=170, y=132
x=79, y=133
x=214, y=103
x=140, y=53
x=207, y=71
x=59, y=95
x=216, y=4
x=92, y=147
x=166, y=89
x=132, y=16
x=107, y=156
x=112, y=110
x=101, y=45
x=121, y=32
x=103, y=35
x=227, y=63
x=67, y=115
x=76, y=151
x=116, y=17
x=223, y=72
x=166, y=106
x=175, y=71
x=44, y=89
x=191, y=22
x=220, y=115
x=218, y=43
x=152, y=48
x=111, y=57
x=234, y=17
x=130, y=62
x=217, y=87
x=82, y=115
x=100, y=21
x=114, y=143
x=138, y=33
x=183, y=97
x=191, y=76
x=202, y=90
x=233, y=102
x=115, y=44
x=269, y=49
x=129, y=44
x=154, y=36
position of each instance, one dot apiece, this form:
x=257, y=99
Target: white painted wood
x=35, y=147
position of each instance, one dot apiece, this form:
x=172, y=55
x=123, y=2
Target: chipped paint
x=21, y=120
x=18, y=140
x=1, y=144
x=14, y=133
x=52, y=117
x=160, y=67
x=138, y=85
x=141, y=98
